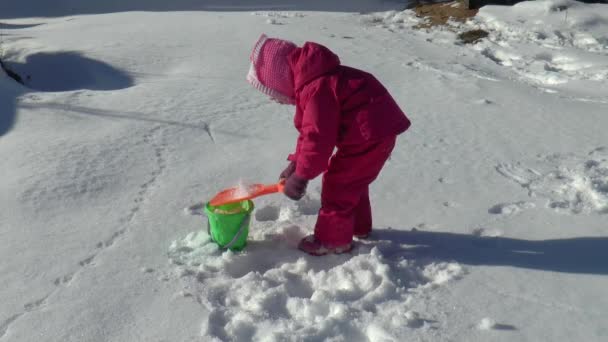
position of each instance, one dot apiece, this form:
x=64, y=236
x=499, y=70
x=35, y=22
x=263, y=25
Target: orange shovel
x=236, y=194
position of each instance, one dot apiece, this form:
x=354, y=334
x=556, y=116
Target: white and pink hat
x=270, y=72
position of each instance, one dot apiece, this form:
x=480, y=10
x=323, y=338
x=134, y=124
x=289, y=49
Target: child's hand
x=295, y=187
x=289, y=170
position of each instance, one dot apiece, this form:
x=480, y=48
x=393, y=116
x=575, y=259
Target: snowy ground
x=490, y=218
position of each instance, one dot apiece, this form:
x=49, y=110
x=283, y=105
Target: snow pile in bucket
x=271, y=291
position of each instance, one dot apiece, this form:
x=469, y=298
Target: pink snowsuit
x=339, y=106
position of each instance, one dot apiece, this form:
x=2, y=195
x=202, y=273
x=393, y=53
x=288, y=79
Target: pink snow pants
x=345, y=207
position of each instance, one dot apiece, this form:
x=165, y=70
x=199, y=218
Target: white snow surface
x=489, y=219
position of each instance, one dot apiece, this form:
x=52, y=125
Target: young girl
x=336, y=107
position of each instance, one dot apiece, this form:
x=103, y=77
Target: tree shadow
x=9, y=91
x=505, y=327
x=60, y=8
x=61, y=71
x=4, y=26
x=70, y=71
x=67, y=71
x=581, y=255
x=133, y=116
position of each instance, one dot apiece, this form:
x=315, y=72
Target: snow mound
x=548, y=42
x=557, y=46
x=271, y=291
x=572, y=184
x=279, y=14
x=486, y=324
x=511, y=208
x=392, y=20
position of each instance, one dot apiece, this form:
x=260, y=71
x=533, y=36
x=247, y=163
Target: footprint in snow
x=309, y=206
x=196, y=209
x=268, y=213
x=571, y=184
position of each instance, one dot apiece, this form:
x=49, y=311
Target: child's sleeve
x=294, y=156
x=319, y=132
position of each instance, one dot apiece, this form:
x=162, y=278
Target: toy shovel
x=239, y=194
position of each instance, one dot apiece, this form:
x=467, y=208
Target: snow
x=242, y=189
x=489, y=217
x=561, y=42
x=571, y=183
x=272, y=293
x=486, y=324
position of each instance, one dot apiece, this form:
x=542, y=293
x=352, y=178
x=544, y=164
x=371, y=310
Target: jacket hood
x=311, y=61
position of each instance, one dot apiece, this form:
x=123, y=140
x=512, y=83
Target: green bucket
x=228, y=225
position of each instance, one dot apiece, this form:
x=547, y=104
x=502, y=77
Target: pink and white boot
x=313, y=247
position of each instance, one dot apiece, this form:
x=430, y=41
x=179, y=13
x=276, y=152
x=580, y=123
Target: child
x=336, y=107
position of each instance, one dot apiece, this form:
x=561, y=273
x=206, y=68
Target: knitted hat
x=270, y=72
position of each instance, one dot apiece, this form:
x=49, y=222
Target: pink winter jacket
x=337, y=106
